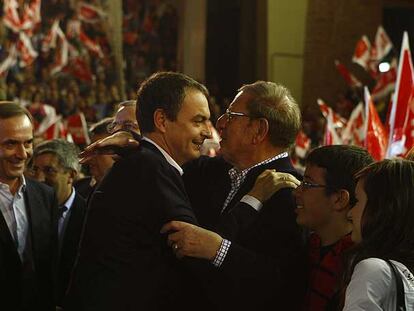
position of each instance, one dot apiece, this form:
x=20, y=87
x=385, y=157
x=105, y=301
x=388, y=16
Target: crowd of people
x=157, y=225
x=86, y=83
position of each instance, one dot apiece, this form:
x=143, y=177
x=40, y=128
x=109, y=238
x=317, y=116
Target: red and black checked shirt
x=325, y=271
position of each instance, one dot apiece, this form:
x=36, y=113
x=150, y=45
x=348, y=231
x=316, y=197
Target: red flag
x=26, y=51
x=354, y=133
x=334, y=124
x=376, y=140
x=91, y=44
x=383, y=44
x=9, y=61
x=400, y=104
x=350, y=79
x=362, y=53
x=89, y=13
x=77, y=127
x=302, y=145
x=80, y=69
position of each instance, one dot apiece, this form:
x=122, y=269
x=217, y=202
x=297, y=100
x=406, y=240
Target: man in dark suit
x=124, y=262
x=258, y=250
x=55, y=163
x=27, y=219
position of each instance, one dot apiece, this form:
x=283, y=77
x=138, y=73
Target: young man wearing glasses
x=324, y=198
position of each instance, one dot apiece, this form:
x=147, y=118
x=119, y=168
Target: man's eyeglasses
x=125, y=125
x=309, y=185
x=229, y=115
x=47, y=170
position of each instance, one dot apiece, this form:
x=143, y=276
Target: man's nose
x=22, y=152
x=39, y=176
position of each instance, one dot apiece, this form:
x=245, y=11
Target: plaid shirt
x=237, y=179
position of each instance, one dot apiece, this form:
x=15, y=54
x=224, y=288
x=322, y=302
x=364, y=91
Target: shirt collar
x=167, y=157
x=21, y=189
x=233, y=172
x=69, y=202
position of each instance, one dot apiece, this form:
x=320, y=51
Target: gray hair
x=275, y=103
x=66, y=152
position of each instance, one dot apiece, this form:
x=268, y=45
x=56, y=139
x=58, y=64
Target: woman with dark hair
x=384, y=231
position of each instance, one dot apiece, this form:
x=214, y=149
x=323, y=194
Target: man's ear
x=72, y=176
x=341, y=200
x=261, y=130
x=160, y=120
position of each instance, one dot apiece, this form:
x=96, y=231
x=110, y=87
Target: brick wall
x=333, y=28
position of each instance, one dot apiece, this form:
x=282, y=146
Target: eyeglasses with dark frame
x=309, y=185
x=125, y=125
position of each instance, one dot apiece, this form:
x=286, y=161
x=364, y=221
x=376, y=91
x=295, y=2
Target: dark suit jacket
x=29, y=286
x=70, y=244
x=125, y=263
x=265, y=265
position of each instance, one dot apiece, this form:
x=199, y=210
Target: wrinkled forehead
x=240, y=101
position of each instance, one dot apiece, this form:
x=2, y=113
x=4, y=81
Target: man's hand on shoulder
x=269, y=182
x=109, y=145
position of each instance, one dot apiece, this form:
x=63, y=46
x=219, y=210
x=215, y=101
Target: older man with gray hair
x=56, y=164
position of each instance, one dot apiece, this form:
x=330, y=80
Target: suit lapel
x=6, y=237
x=74, y=225
x=283, y=164
x=34, y=217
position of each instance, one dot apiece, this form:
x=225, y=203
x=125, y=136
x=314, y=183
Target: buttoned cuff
x=252, y=201
x=222, y=252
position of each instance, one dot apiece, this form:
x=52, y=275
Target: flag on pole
x=400, y=109
x=78, y=129
x=362, y=53
x=383, y=44
x=349, y=78
x=334, y=124
x=9, y=61
x=376, y=141
x=354, y=133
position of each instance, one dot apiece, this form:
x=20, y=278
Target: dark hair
x=101, y=127
x=386, y=225
x=10, y=109
x=166, y=91
x=274, y=102
x=341, y=162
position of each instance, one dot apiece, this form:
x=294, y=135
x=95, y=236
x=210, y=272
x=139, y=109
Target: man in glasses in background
x=125, y=118
x=55, y=163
